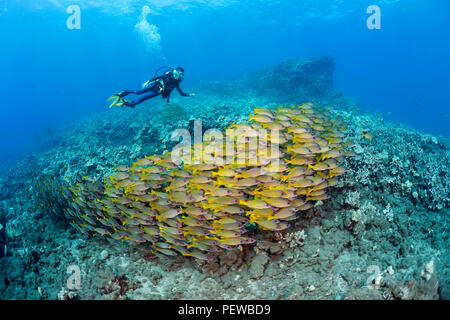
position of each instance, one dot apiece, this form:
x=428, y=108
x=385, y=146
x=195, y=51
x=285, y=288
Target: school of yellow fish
x=271, y=170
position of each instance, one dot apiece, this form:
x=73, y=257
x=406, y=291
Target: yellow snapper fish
x=299, y=149
x=260, y=118
x=277, y=202
x=255, y=204
x=367, y=135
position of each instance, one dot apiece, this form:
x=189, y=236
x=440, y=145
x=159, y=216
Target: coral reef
x=374, y=238
x=3, y=244
x=3, y=190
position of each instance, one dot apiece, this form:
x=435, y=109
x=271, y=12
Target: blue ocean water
x=52, y=76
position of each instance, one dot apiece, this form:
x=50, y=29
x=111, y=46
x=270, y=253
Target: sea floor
x=382, y=235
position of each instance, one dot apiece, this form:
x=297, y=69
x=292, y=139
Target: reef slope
x=382, y=235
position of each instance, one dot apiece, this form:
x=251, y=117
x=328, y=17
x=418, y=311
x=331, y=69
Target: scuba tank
x=157, y=82
x=155, y=75
x=161, y=68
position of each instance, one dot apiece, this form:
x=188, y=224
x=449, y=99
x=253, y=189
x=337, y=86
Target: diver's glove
x=191, y=94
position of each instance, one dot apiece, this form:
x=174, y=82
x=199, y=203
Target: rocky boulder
x=301, y=79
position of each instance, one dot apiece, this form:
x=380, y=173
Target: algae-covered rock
x=304, y=79
x=258, y=265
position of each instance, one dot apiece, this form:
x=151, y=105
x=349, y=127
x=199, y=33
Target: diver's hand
x=191, y=94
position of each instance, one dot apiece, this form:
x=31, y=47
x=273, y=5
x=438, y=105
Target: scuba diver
x=158, y=86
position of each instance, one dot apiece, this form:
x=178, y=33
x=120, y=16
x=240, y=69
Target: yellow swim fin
x=115, y=102
x=118, y=99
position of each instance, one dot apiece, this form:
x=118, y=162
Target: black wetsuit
x=162, y=85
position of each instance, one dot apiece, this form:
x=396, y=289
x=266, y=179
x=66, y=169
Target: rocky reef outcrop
x=298, y=79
